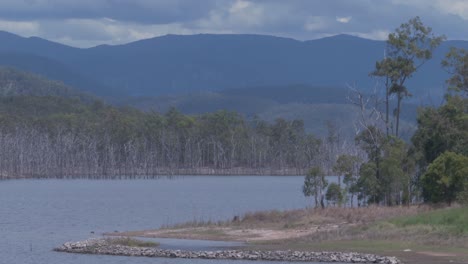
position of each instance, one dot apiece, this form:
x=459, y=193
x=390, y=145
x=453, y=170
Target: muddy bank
x=104, y=247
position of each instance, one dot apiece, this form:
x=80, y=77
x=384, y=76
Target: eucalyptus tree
x=348, y=166
x=334, y=194
x=314, y=185
x=408, y=48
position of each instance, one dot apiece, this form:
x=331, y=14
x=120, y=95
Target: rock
x=102, y=246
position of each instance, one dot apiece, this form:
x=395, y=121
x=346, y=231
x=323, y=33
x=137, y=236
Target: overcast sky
x=85, y=23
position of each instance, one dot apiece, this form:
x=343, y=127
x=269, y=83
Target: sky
x=87, y=23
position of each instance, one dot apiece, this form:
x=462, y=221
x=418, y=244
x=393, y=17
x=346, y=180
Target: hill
x=315, y=105
x=14, y=82
x=192, y=63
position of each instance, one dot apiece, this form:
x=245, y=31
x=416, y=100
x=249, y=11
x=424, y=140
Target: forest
x=49, y=130
x=78, y=136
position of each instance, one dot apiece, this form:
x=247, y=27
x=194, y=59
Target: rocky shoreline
x=104, y=247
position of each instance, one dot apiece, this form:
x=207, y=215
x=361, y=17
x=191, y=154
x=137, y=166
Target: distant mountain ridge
x=177, y=64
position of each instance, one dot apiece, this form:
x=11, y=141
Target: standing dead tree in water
x=112, y=143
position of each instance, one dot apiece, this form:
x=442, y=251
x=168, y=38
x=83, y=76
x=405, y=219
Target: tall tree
x=456, y=63
x=408, y=48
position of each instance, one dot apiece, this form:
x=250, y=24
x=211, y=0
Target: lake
x=38, y=215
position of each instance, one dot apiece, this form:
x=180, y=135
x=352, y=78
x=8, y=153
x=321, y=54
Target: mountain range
x=177, y=64
x=259, y=75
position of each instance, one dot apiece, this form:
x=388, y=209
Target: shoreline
x=163, y=172
x=104, y=247
x=365, y=230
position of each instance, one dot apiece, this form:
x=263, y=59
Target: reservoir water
x=38, y=215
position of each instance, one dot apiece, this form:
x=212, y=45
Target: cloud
x=92, y=32
x=24, y=28
x=239, y=6
x=86, y=23
x=381, y=34
x=139, y=11
x=344, y=19
x=449, y=7
x=315, y=23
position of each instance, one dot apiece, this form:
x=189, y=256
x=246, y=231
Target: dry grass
x=406, y=224
x=333, y=215
x=303, y=217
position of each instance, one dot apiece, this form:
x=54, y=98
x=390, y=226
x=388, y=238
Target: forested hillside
x=314, y=105
x=50, y=130
x=18, y=83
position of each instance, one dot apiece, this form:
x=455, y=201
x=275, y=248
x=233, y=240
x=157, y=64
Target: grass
x=131, y=242
x=429, y=227
x=277, y=219
x=452, y=220
x=416, y=225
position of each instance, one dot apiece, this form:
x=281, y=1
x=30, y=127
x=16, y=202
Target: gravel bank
x=102, y=246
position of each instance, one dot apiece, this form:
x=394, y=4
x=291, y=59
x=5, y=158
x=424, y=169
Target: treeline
x=63, y=137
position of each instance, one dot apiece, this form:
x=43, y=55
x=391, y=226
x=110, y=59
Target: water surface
x=38, y=215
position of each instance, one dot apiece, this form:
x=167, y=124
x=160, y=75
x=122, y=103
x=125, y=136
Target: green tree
x=408, y=48
x=334, y=194
x=441, y=129
x=368, y=185
x=394, y=173
x=456, y=63
x=347, y=166
x=446, y=178
x=314, y=185
x=389, y=163
x=463, y=195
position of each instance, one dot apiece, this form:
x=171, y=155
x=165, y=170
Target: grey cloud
x=141, y=11
x=89, y=22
